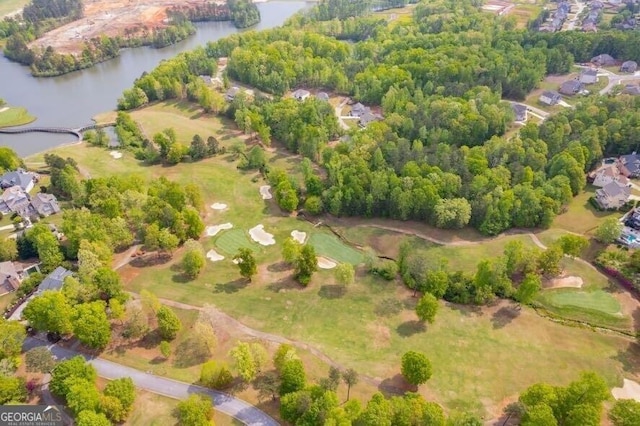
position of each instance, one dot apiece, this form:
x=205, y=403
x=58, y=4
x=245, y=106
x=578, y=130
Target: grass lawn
x=5, y=300
x=330, y=246
x=151, y=409
x=580, y=216
x=233, y=240
x=14, y=116
x=593, y=300
x=524, y=13
x=10, y=6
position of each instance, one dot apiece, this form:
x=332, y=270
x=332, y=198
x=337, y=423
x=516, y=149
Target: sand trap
x=115, y=154
x=4, y=109
x=571, y=281
x=324, y=263
x=214, y=256
x=260, y=236
x=265, y=191
x=213, y=230
x=299, y=236
x=236, y=261
x=629, y=390
x=218, y=206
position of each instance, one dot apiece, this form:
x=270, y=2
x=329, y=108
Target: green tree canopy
x=416, y=368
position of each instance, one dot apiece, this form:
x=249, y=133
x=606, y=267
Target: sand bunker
x=629, y=390
x=324, y=263
x=260, y=236
x=265, y=191
x=299, y=236
x=218, y=206
x=214, y=256
x=213, y=230
x=115, y=154
x=571, y=281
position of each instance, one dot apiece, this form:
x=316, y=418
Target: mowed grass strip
x=597, y=300
x=330, y=246
x=15, y=116
x=233, y=240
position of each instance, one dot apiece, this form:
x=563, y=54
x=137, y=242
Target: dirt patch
x=570, y=281
x=111, y=18
x=629, y=390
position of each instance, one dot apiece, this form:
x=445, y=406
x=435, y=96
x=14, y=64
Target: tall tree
x=625, y=412
x=427, y=308
x=39, y=360
x=345, y=274
x=50, y=311
x=609, y=230
x=12, y=336
x=91, y=325
x=169, y=323
x=73, y=367
x=293, y=377
x=197, y=410
x=246, y=262
x=416, y=368
x=306, y=264
x=528, y=289
x=350, y=378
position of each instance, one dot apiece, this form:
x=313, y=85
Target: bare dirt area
x=111, y=18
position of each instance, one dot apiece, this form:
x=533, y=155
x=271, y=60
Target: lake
x=72, y=99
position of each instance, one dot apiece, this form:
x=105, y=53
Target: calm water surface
x=71, y=100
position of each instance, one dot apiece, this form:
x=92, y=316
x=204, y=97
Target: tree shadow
x=158, y=360
x=388, y=307
x=150, y=259
x=636, y=319
x=409, y=328
x=466, y=310
x=279, y=267
x=504, y=316
x=181, y=278
x=232, y=286
x=284, y=284
x=629, y=357
x=394, y=386
x=190, y=353
x=332, y=291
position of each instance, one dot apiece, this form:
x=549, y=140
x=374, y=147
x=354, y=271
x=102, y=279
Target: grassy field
x=330, y=246
x=581, y=217
x=14, y=116
x=523, y=13
x=10, y=6
x=510, y=348
x=151, y=409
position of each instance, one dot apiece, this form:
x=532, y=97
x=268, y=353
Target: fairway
x=233, y=240
x=330, y=246
x=596, y=300
x=13, y=116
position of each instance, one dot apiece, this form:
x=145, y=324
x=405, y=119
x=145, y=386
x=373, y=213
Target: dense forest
x=41, y=16
x=440, y=155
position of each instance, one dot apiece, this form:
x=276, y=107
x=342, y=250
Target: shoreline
x=46, y=151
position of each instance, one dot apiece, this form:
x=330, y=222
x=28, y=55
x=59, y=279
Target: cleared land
x=14, y=116
x=111, y=18
x=368, y=325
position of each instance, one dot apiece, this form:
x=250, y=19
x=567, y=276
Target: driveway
x=225, y=403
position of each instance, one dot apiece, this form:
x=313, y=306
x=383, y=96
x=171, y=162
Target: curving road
x=225, y=403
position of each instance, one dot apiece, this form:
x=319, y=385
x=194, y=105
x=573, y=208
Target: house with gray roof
x=520, y=111
x=54, y=280
x=357, y=110
x=570, y=87
x=232, y=93
x=9, y=277
x=323, y=96
x=589, y=76
x=549, y=98
x=367, y=118
x=613, y=195
x=45, y=204
x=630, y=165
x=14, y=200
x=631, y=89
x=301, y=94
x=603, y=60
x=25, y=180
x=629, y=66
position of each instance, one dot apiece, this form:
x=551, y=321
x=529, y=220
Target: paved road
x=225, y=403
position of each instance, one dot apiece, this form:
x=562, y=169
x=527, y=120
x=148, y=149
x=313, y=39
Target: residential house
x=357, y=110
x=206, y=79
x=520, y=111
x=25, y=180
x=45, y=204
x=589, y=76
x=301, y=94
x=232, y=93
x=9, y=277
x=603, y=60
x=368, y=117
x=54, y=280
x=549, y=98
x=596, y=5
x=628, y=24
x=589, y=26
x=14, y=200
x=570, y=87
x=630, y=165
x=613, y=195
x=631, y=89
x=323, y=96
x=629, y=66
x=607, y=174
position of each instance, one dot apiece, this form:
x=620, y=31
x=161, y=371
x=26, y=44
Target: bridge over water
x=77, y=132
